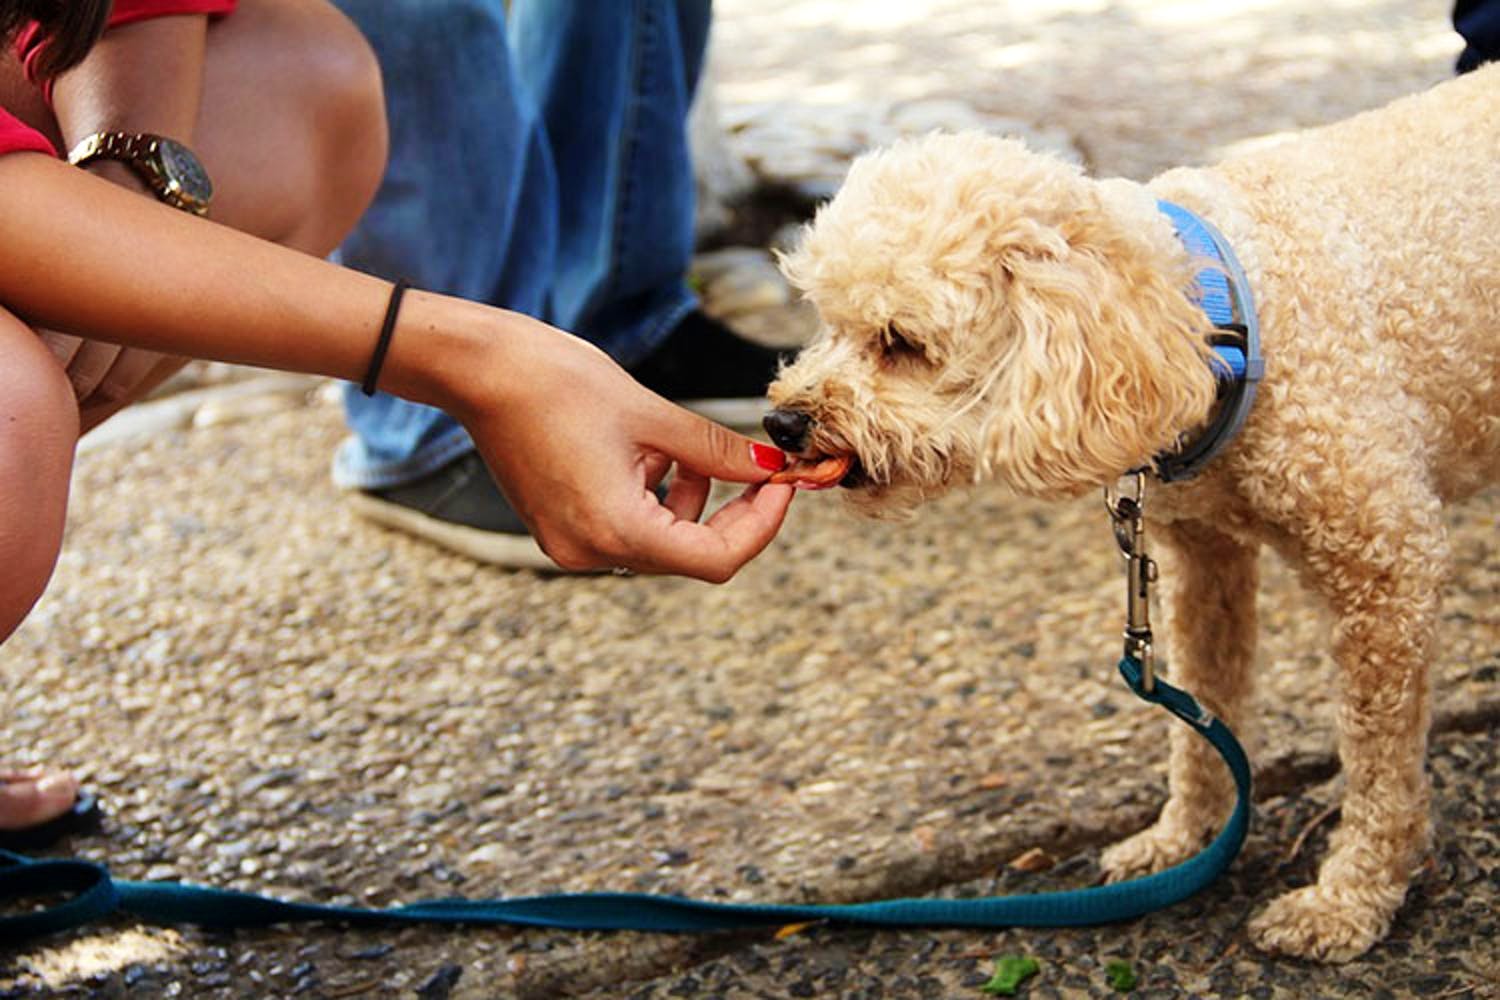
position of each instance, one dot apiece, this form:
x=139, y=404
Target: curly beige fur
x=993, y=314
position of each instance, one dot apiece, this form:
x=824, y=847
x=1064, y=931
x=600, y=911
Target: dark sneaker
x=460, y=508
x=707, y=367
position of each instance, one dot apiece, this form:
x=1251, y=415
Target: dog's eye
x=896, y=345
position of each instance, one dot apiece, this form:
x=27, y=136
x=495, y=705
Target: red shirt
x=15, y=137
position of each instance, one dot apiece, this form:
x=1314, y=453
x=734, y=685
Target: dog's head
x=989, y=313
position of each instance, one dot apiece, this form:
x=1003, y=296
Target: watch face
x=185, y=172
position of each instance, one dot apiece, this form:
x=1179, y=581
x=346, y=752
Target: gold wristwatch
x=168, y=167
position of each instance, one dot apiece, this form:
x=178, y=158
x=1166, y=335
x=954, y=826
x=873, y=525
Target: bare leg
x=293, y=123
x=38, y=428
x=292, y=130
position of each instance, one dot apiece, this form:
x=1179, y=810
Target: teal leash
x=91, y=894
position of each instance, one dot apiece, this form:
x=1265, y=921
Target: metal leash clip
x=1126, y=515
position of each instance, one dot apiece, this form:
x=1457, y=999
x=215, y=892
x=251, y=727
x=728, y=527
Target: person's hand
x=578, y=447
x=107, y=377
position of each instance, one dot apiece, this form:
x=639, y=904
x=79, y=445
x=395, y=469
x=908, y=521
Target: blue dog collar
x=1223, y=293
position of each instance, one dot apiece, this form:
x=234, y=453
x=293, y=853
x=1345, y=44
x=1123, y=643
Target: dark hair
x=68, y=29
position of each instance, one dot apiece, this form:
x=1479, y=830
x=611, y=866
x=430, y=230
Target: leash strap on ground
x=91, y=894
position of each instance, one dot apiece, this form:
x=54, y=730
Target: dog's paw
x=1151, y=850
x=1314, y=923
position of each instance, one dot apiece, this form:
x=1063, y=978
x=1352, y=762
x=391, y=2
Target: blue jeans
x=539, y=164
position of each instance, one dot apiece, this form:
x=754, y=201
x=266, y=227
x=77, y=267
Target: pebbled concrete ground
x=270, y=694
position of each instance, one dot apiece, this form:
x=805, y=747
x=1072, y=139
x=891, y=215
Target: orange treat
x=815, y=474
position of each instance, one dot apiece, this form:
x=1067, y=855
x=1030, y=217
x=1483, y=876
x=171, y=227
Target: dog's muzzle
x=788, y=429
x=791, y=431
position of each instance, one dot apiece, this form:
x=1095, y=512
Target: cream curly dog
x=992, y=314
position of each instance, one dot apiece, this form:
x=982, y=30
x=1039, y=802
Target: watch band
x=142, y=152
x=127, y=146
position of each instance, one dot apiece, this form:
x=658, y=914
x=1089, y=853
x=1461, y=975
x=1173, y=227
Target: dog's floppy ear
x=1106, y=362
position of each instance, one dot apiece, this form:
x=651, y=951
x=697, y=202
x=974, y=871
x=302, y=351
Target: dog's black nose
x=788, y=428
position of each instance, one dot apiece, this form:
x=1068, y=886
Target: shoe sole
x=490, y=547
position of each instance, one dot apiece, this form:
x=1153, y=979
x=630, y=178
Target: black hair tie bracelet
x=384, y=343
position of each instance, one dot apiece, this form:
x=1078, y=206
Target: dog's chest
x=1212, y=500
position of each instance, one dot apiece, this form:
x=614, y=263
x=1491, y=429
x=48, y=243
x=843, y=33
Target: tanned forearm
x=577, y=446
x=85, y=257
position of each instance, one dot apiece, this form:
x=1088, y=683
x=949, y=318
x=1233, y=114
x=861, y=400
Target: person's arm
x=144, y=76
x=574, y=441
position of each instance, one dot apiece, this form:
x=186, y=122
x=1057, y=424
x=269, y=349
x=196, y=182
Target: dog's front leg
x=1381, y=566
x=1210, y=583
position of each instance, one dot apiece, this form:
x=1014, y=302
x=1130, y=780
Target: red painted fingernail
x=767, y=457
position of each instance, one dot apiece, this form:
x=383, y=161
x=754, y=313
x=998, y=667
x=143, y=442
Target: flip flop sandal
x=84, y=816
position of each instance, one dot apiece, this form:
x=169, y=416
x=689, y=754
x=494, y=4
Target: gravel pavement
x=272, y=695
